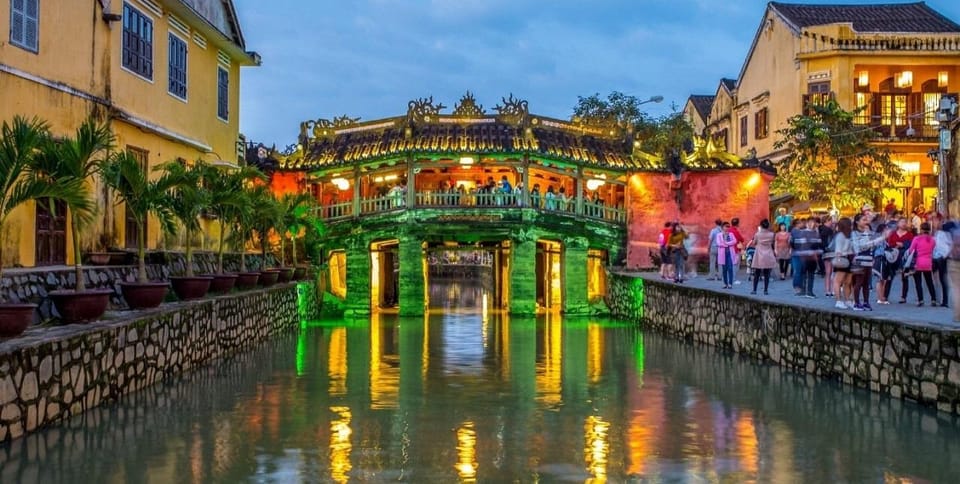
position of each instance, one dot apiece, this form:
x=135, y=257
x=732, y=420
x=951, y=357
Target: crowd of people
x=853, y=256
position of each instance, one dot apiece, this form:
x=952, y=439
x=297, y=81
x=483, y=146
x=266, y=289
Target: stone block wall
x=52, y=373
x=910, y=361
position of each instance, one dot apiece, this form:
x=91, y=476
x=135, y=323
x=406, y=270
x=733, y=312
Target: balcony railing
x=464, y=201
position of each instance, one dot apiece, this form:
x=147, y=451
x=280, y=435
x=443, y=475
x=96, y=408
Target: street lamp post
x=653, y=99
x=945, y=115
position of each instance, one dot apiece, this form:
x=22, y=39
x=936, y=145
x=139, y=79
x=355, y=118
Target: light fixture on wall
x=943, y=79
x=863, y=79
x=904, y=79
x=341, y=183
x=466, y=160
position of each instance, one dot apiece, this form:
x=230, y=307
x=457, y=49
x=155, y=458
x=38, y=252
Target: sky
x=369, y=58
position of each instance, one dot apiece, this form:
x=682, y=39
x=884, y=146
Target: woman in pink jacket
x=727, y=254
x=922, y=249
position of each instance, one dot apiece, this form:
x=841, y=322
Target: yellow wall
x=84, y=58
x=693, y=117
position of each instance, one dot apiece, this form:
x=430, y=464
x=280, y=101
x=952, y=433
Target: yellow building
x=165, y=74
x=895, y=59
x=697, y=110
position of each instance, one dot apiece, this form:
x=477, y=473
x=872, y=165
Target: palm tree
x=229, y=197
x=188, y=198
x=265, y=216
x=20, y=143
x=298, y=214
x=129, y=180
x=67, y=165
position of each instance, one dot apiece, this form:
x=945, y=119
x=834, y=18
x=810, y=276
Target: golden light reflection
x=556, y=281
x=596, y=448
x=550, y=367
x=596, y=275
x=384, y=378
x=338, y=273
x=484, y=322
x=747, y=443
x=594, y=352
x=467, y=452
x=505, y=347
x=340, y=445
x=337, y=361
x=425, y=351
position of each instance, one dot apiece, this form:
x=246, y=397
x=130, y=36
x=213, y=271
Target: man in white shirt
x=714, y=274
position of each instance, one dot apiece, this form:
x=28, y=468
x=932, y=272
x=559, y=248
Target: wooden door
x=51, y=233
x=129, y=222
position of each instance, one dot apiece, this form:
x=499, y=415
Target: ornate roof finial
x=513, y=110
x=468, y=107
x=422, y=110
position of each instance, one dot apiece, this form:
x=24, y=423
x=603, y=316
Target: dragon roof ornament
x=513, y=110
x=467, y=107
x=422, y=110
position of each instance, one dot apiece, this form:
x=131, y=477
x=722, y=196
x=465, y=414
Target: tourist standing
x=783, y=218
x=735, y=230
x=781, y=247
x=826, y=267
x=550, y=199
x=666, y=263
x=678, y=252
x=727, y=254
x=535, y=196
x=922, y=249
x=864, y=242
x=941, y=252
x=712, y=244
x=842, y=260
x=899, y=239
x=807, y=247
x=764, y=259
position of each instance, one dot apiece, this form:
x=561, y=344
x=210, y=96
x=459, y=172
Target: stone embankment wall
x=52, y=373
x=914, y=362
x=33, y=285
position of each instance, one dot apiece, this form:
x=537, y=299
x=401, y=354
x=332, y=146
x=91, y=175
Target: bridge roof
x=425, y=132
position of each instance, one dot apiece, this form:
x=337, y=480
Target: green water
x=467, y=395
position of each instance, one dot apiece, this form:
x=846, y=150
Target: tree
x=658, y=136
x=230, y=200
x=188, y=198
x=298, y=214
x=832, y=159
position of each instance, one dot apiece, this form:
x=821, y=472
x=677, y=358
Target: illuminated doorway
x=596, y=275
x=384, y=274
x=549, y=272
x=463, y=275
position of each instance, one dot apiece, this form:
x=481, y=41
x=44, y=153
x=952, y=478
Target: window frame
x=171, y=38
x=147, y=54
x=36, y=21
x=744, y=133
x=761, y=123
x=223, y=94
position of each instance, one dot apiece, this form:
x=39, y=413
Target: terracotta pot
x=247, y=280
x=299, y=272
x=222, y=283
x=15, y=318
x=286, y=273
x=144, y=295
x=99, y=258
x=82, y=306
x=187, y=288
x=268, y=277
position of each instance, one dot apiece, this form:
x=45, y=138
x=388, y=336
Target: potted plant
x=129, y=180
x=228, y=197
x=187, y=197
x=298, y=214
x=242, y=219
x=67, y=165
x=20, y=142
x=265, y=217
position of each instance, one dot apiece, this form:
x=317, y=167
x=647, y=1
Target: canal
x=467, y=394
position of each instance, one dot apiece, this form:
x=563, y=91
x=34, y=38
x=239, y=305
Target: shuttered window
x=25, y=24
x=177, y=69
x=223, y=94
x=137, y=42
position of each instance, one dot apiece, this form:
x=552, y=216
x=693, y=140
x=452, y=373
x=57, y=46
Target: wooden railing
x=455, y=201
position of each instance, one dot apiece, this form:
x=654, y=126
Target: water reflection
x=440, y=398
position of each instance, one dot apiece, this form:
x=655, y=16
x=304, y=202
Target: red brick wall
x=743, y=193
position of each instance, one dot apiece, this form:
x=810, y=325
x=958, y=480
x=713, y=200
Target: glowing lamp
x=863, y=79
x=904, y=79
x=943, y=79
x=341, y=183
x=594, y=183
x=390, y=177
x=466, y=160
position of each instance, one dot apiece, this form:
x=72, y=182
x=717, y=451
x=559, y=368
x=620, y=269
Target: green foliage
x=20, y=144
x=67, y=165
x=299, y=213
x=656, y=135
x=831, y=158
x=188, y=198
x=129, y=179
x=229, y=198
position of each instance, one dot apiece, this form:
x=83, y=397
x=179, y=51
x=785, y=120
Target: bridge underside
x=537, y=259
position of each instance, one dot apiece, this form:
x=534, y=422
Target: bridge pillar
x=357, y=302
x=523, y=277
x=575, y=299
x=412, y=280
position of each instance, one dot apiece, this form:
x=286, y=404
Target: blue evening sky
x=369, y=58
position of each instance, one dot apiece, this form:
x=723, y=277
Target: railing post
x=356, y=191
x=411, y=194
x=525, y=196
x=579, y=208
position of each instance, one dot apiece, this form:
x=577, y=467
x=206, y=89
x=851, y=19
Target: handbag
x=841, y=262
x=863, y=260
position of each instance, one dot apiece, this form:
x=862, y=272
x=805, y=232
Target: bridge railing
x=428, y=199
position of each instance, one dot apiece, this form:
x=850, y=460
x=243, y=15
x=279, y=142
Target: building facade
x=165, y=75
x=894, y=61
